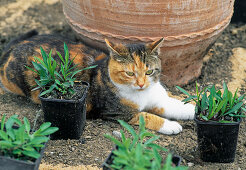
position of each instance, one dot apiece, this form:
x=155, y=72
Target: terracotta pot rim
x=181, y=37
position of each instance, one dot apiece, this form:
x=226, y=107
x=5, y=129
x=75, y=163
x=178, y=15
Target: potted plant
x=138, y=152
x=218, y=115
x=20, y=147
x=62, y=97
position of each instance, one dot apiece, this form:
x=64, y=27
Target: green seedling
x=21, y=142
x=55, y=76
x=140, y=151
x=212, y=104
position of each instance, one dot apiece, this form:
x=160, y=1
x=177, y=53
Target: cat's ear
x=111, y=47
x=154, y=46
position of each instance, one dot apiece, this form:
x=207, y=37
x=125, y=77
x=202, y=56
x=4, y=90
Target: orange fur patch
x=141, y=81
x=100, y=57
x=129, y=103
x=141, y=69
x=117, y=73
x=24, y=42
x=78, y=57
x=46, y=48
x=139, y=63
x=30, y=77
x=157, y=111
x=152, y=121
x=7, y=84
x=99, y=78
x=34, y=96
x=88, y=107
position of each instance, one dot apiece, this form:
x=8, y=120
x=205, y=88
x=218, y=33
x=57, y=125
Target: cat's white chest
x=144, y=99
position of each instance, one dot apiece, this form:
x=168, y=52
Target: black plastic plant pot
x=68, y=115
x=176, y=160
x=217, y=142
x=7, y=163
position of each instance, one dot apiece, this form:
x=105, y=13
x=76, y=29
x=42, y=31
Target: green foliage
x=212, y=104
x=55, y=76
x=139, y=152
x=22, y=143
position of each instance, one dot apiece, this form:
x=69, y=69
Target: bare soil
x=224, y=62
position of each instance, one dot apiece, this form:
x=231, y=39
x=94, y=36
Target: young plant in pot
x=139, y=152
x=218, y=116
x=20, y=147
x=62, y=97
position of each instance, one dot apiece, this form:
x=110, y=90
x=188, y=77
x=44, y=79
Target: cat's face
x=135, y=66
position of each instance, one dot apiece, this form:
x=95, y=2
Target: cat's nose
x=141, y=85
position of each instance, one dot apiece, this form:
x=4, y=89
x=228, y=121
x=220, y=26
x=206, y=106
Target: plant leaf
x=10, y=122
x=6, y=144
x=128, y=128
x=204, y=118
x=44, y=126
x=4, y=135
x=151, y=140
x=183, y=91
x=49, y=131
x=27, y=125
x=234, y=108
x=33, y=154
x=39, y=140
x=117, y=142
x=3, y=121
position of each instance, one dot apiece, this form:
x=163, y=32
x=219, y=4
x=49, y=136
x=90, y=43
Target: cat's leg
x=175, y=109
x=171, y=108
x=157, y=123
x=34, y=96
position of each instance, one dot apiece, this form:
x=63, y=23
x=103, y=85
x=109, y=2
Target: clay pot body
x=189, y=27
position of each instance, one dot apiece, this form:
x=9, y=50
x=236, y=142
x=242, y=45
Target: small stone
x=190, y=164
x=88, y=137
x=116, y=134
x=51, y=152
x=219, y=44
x=234, y=31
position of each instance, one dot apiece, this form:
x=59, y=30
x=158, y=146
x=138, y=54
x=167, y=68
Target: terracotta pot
x=189, y=27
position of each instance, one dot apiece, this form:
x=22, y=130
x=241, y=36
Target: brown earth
x=226, y=61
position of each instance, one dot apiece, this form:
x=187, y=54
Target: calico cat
x=124, y=85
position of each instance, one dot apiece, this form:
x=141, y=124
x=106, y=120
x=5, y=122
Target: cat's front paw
x=188, y=112
x=170, y=127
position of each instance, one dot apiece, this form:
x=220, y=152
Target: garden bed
x=224, y=62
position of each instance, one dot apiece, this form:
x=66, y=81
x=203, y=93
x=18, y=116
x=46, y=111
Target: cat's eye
x=149, y=72
x=130, y=73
